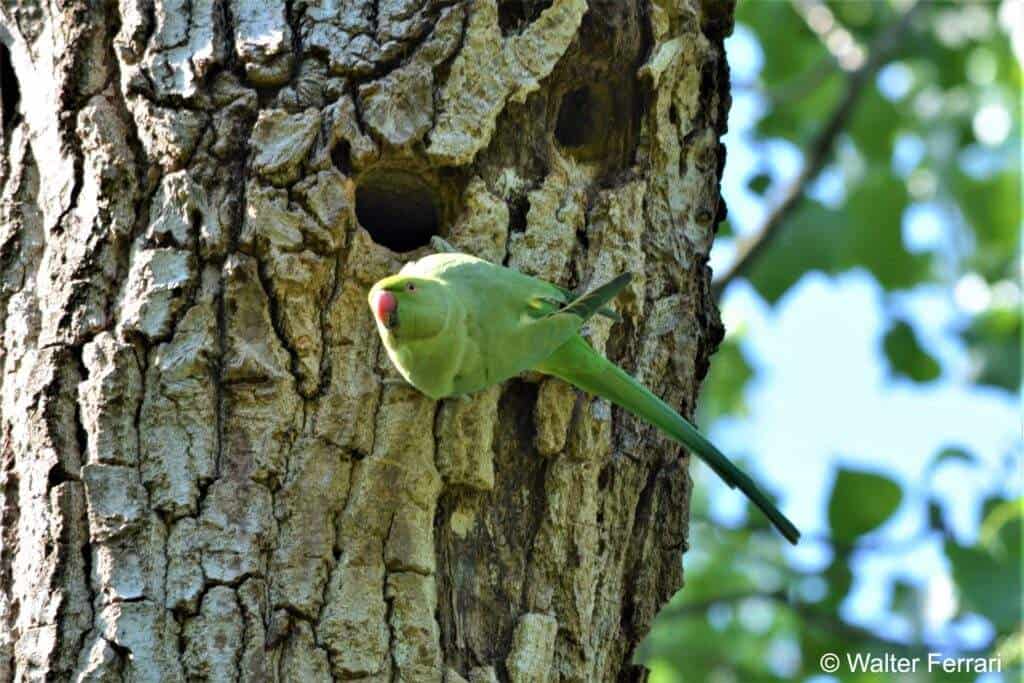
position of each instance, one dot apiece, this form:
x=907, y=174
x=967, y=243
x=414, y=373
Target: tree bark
x=203, y=472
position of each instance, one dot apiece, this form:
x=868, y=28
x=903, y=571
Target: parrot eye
x=410, y=287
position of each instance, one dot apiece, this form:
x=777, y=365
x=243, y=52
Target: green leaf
x=992, y=206
x=803, y=243
x=906, y=357
x=864, y=232
x=994, y=339
x=860, y=502
x=989, y=576
x=723, y=389
x=799, y=76
x=839, y=577
x=936, y=520
x=803, y=105
x=759, y=183
x=875, y=123
x=787, y=53
x=905, y=597
x=855, y=13
x=951, y=454
x=875, y=238
x=1000, y=528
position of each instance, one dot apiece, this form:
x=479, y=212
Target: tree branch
x=795, y=88
x=817, y=153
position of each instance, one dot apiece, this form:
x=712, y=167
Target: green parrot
x=454, y=324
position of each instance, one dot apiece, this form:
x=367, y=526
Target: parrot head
x=408, y=307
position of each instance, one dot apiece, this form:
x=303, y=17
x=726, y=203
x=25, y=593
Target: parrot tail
x=579, y=364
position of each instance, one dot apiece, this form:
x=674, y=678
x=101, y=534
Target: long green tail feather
x=577, y=363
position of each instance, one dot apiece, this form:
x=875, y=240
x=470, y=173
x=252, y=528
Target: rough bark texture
x=203, y=474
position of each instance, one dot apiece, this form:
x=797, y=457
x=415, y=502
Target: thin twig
x=797, y=87
x=817, y=153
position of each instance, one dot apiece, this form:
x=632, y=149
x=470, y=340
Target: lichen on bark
x=205, y=472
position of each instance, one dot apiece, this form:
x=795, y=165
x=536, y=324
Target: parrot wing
x=568, y=296
x=596, y=300
x=529, y=341
x=514, y=320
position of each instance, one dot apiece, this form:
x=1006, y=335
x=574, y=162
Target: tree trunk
x=204, y=474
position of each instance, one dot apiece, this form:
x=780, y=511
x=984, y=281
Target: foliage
x=906, y=355
x=860, y=503
x=725, y=382
x=929, y=135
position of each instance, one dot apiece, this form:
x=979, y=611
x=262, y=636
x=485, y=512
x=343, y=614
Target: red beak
x=384, y=304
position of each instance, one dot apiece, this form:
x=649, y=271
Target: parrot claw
x=443, y=246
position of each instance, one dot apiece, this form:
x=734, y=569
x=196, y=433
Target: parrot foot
x=442, y=245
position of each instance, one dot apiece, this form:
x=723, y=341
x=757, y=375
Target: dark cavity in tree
x=341, y=155
x=9, y=92
x=572, y=129
x=397, y=208
x=583, y=121
x=518, y=209
x=514, y=15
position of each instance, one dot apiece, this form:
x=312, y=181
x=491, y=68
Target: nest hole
x=584, y=118
x=574, y=119
x=9, y=90
x=518, y=210
x=515, y=15
x=397, y=208
x=341, y=155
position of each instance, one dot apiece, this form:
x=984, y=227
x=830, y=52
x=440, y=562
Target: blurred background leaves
x=869, y=278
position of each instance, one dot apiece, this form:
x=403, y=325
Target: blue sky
x=823, y=396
